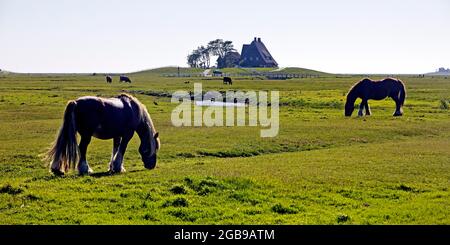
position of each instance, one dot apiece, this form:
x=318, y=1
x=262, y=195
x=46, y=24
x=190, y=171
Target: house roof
x=258, y=47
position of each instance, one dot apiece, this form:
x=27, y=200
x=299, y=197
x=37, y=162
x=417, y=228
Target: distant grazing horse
x=367, y=89
x=125, y=79
x=104, y=118
x=227, y=80
x=108, y=79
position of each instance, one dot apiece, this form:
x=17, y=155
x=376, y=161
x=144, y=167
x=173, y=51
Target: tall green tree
x=220, y=48
x=205, y=56
x=201, y=57
x=215, y=47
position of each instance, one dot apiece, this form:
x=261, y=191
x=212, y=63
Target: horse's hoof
x=57, y=172
x=85, y=169
x=150, y=166
x=116, y=171
x=88, y=172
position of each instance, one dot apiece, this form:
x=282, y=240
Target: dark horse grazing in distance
x=367, y=89
x=108, y=79
x=227, y=80
x=104, y=118
x=125, y=79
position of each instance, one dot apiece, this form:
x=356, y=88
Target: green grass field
x=322, y=168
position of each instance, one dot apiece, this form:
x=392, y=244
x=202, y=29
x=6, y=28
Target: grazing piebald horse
x=227, y=80
x=104, y=118
x=125, y=79
x=367, y=89
x=108, y=79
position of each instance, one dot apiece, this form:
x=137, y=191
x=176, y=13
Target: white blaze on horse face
x=184, y=109
x=273, y=122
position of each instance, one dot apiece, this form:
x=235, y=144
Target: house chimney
x=259, y=39
x=254, y=39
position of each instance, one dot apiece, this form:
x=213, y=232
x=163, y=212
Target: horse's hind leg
x=83, y=166
x=398, y=108
x=117, y=164
x=368, y=112
x=116, y=143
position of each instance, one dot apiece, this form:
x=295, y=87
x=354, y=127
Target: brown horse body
x=227, y=80
x=367, y=89
x=104, y=118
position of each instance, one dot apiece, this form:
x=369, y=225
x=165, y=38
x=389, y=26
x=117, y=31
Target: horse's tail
x=64, y=152
x=402, y=93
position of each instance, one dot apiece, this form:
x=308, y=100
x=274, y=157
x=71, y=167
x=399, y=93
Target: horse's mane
x=356, y=85
x=143, y=113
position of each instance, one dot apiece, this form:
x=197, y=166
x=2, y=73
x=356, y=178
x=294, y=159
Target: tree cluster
x=200, y=57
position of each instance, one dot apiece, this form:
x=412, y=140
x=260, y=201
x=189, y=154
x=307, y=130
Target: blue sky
x=344, y=36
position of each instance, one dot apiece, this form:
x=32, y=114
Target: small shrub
x=183, y=215
x=148, y=196
x=178, y=189
x=244, y=198
x=252, y=211
x=204, y=186
x=280, y=209
x=239, y=183
x=148, y=217
x=342, y=218
x=32, y=197
x=444, y=104
x=9, y=189
x=177, y=202
x=205, y=190
x=188, y=181
x=404, y=187
x=210, y=182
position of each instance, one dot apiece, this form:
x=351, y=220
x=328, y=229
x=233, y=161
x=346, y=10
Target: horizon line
x=184, y=67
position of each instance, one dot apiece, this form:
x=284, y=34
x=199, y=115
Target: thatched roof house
x=256, y=54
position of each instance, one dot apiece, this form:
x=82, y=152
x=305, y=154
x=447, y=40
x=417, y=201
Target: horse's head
x=349, y=107
x=352, y=95
x=148, y=150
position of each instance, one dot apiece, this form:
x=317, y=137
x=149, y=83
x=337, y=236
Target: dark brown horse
x=124, y=79
x=227, y=80
x=367, y=89
x=104, y=118
x=108, y=79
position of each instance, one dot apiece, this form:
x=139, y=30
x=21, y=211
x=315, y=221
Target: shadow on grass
x=101, y=174
x=107, y=173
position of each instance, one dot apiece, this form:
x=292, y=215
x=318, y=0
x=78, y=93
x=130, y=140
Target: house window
x=257, y=58
x=251, y=58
